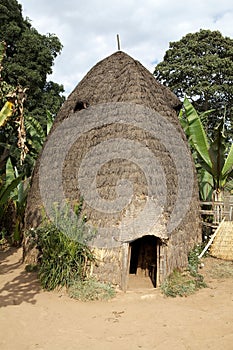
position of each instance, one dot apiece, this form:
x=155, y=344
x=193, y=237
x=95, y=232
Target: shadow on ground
x=23, y=286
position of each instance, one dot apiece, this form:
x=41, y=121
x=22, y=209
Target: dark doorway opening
x=143, y=257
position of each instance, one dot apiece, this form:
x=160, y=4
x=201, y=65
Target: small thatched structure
x=222, y=246
x=119, y=113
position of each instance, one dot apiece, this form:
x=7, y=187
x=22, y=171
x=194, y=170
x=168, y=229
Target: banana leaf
x=36, y=132
x=229, y=185
x=228, y=165
x=217, y=152
x=205, y=185
x=22, y=190
x=50, y=120
x=197, y=133
x=6, y=112
x=34, y=127
x=10, y=173
x=2, y=51
x=7, y=189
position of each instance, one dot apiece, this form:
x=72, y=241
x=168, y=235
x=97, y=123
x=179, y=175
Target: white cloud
x=88, y=29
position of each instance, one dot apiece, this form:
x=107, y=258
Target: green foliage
x=180, y=283
x=12, y=101
x=214, y=157
x=200, y=67
x=68, y=218
x=196, y=132
x=206, y=184
x=193, y=260
x=64, y=254
x=36, y=134
x=6, y=112
x=2, y=53
x=35, y=137
x=27, y=59
x=7, y=108
x=62, y=260
x=13, y=194
x=90, y=289
x=8, y=185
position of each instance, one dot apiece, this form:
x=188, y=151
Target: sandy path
x=31, y=319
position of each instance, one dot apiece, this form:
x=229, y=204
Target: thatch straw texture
x=222, y=246
x=119, y=78
x=116, y=80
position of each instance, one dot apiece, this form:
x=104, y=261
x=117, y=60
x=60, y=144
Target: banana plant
x=215, y=158
x=19, y=199
x=6, y=112
x=6, y=190
x=13, y=190
x=36, y=133
x=8, y=185
x=206, y=184
x=8, y=108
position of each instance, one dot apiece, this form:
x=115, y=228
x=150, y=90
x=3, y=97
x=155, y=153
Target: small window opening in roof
x=80, y=105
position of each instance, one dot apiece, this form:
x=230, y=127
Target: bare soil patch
x=142, y=318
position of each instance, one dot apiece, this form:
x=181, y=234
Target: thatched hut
x=120, y=126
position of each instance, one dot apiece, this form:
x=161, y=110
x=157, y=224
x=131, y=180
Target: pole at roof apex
x=118, y=43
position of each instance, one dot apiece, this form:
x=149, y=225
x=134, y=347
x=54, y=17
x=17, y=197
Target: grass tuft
x=181, y=284
x=187, y=282
x=91, y=289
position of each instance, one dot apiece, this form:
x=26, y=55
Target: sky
x=88, y=29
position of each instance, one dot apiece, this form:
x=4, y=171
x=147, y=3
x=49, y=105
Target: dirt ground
x=31, y=319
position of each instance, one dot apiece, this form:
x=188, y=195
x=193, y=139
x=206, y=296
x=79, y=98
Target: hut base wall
x=108, y=265
x=113, y=265
x=177, y=251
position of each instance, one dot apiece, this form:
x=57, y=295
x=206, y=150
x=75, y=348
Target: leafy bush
x=61, y=260
x=91, y=289
x=181, y=284
x=187, y=282
x=193, y=260
x=178, y=284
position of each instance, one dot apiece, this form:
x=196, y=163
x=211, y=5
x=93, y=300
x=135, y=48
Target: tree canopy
x=29, y=59
x=26, y=59
x=200, y=67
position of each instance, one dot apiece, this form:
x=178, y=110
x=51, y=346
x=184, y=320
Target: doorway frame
x=126, y=256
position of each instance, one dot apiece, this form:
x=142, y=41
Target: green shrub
x=61, y=259
x=181, y=284
x=64, y=256
x=187, y=282
x=193, y=260
x=91, y=289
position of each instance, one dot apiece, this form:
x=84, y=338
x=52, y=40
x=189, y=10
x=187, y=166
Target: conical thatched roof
x=120, y=100
x=119, y=78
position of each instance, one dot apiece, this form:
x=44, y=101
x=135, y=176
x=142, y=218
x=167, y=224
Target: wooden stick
x=118, y=42
x=211, y=240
